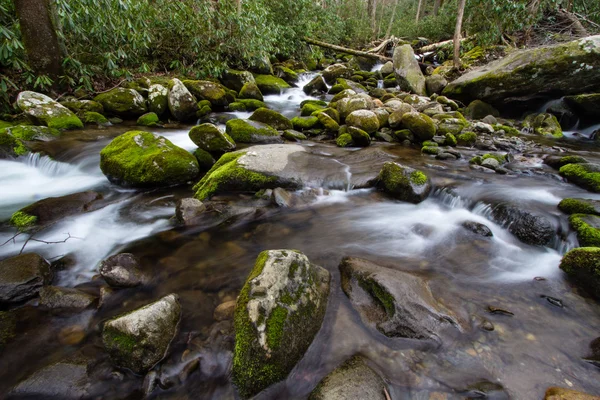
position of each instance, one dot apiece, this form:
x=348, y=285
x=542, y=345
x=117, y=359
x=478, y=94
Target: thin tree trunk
x=37, y=19
x=238, y=4
x=459, y=20
x=372, y=11
x=419, y=8
x=436, y=7
x=389, y=29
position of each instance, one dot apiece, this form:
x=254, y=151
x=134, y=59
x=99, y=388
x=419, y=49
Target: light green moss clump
x=583, y=266
x=245, y=131
x=578, y=206
x=586, y=175
x=509, y=130
x=432, y=150
x=588, y=234
x=269, y=84
x=148, y=119
x=501, y=159
x=418, y=178
x=252, y=104
x=344, y=140
x=91, y=117
x=22, y=221
x=450, y=140
x=30, y=132
x=467, y=138
x=328, y=122
x=302, y=123
x=237, y=106
x=272, y=118
x=404, y=183
x=379, y=293
x=310, y=108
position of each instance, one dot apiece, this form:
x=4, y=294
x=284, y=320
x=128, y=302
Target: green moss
x=544, y=124
x=450, y=140
x=302, y=123
x=587, y=234
x=226, y=175
x=508, y=129
x=477, y=160
x=205, y=159
x=91, y=117
x=418, y=178
x=123, y=102
x=497, y=157
x=380, y=294
x=332, y=112
x=271, y=118
x=22, y=221
x=467, y=138
x=269, y=84
x=252, y=104
x=237, y=106
x=429, y=143
x=419, y=124
x=344, y=140
x=65, y=122
x=114, y=339
x=275, y=325
x=577, y=206
x=207, y=90
x=328, y=122
x=433, y=150
x=310, y=108
x=400, y=181
x=4, y=124
x=30, y=132
x=583, y=266
x=585, y=175
x=244, y=131
x=148, y=119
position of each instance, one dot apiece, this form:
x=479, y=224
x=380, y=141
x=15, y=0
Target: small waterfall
x=380, y=84
x=47, y=165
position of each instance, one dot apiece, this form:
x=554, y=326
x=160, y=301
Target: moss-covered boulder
x=293, y=135
x=316, y=86
x=478, y=109
x=246, y=131
x=585, y=105
x=251, y=170
x=269, y=84
x=359, y=137
x=404, y=183
x=557, y=162
x=583, y=266
x=145, y=159
x=353, y=380
x=278, y=313
x=22, y=277
x=148, y=119
x=587, y=228
x=544, y=124
x=397, y=112
x=251, y=104
x=235, y=80
x=419, y=124
x=304, y=123
x=435, y=84
x=251, y=91
x=207, y=90
x=586, y=175
x=10, y=147
x=285, y=73
x=32, y=133
x=452, y=126
x=345, y=140
x=345, y=84
x=138, y=340
x=210, y=138
x=42, y=110
x=94, y=118
x=408, y=73
x=182, y=104
x=335, y=71
x=158, y=99
x=311, y=106
x=542, y=72
x=328, y=122
x=363, y=119
x=396, y=303
x=123, y=102
x=271, y=118
x=580, y=206
x=81, y=106
x=348, y=105
x=466, y=138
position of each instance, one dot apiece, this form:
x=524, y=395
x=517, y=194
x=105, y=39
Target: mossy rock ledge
x=277, y=315
x=138, y=340
x=404, y=183
x=144, y=159
x=250, y=170
x=42, y=110
x=580, y=206
x=396, y=303
x=582, y=265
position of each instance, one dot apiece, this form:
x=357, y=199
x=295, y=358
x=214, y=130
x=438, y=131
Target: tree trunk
x=347, y=50
x=238, y=4
x=436, y=7
x=459, y=19
x=372, y=11
x=38, y=22
x=389, y=29
x=419, y=9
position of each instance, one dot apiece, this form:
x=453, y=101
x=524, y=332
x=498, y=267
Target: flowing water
x=542, y=345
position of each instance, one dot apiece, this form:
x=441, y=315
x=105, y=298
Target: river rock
x=581, y=265
x=557, y=393
x=587, y=228
x=66, y=379
x=123, y=102
x=533, y=74
x=269, y=84
x=387, y=68
x=207, y=90
x=353, y=380
x=235, y=80
x=224, y=311
x=557, y=162
x=250, y=170
x=404, y=183
x=189, y=211
x=278, y=313
x=121, y=270
x=210, y=138
x=363, y=119
x=408, y=73
x=271, y=118
x=246, y=131
x=397, y=303
x=478, y=109
x=251, y=91
x=526, y=226
x=316, y=86
x=585, y=105
x=347, y=105
x=335, y=71
x=52, y=209
x=22, y=277
x=144, y=159
x=580, y=206
x=80, y=107
x=42, y=110
x=56, y=297
x=477, y=228
x=543, y=124
x=397, y=112
x=435, y=84
x=138, y=340
x=158, y=99
x=419, y=124
x=586, y=175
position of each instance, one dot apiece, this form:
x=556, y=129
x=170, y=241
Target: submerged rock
x=22, y=277
x=408, y=73
x=586, y=175
x=278, y=313
x=138, y=340
x=122, y=270
x=246, y=131
x=42, y=110
x=122, y=102
x=397, y=303
x=404, y=183
x=189, y=211
x=56, y=297
x=533, y=74
x=527, y=227
x=144, y=159
x=477, y=228
x=210, y=138
x=353, y=380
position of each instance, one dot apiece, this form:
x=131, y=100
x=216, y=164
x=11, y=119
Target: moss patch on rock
x=245, y=131
x=586, y=175
x=269, y=84
x=404, y=183
x=272, y=118
x=148, y=119
x=580, y=206
x=583, y=266
x=22, y=221
x=587, y=228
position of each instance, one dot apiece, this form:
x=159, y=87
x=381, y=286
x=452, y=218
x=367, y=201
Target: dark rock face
x=65, y=298
x=55, y=208
x=527, y=227
x=121, y=270
x=397, y=303
x=22, y=277
x=477, y=228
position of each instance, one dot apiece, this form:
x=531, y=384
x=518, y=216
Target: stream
x=541, y=345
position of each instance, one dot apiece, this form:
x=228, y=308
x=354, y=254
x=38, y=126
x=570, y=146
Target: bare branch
x=32, y=239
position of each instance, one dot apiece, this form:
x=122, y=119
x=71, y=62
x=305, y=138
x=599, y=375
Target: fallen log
x=346, y=50
x=439, y=45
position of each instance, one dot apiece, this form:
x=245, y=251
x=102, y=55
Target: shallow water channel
x=542, y=345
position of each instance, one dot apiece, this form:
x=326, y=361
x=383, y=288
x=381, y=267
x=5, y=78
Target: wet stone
x=121, y=270
x=55, y=297
x=189, y=211
x=477, y=228
x=22, y=277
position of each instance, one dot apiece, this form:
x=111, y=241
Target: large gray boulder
x=236, y=80
x=42, y=110
x=397, y=303
x=182, y=104
x=408, y=73
x=533, y=74
x=278, y=313
x=140, y=339
x=22, y=277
